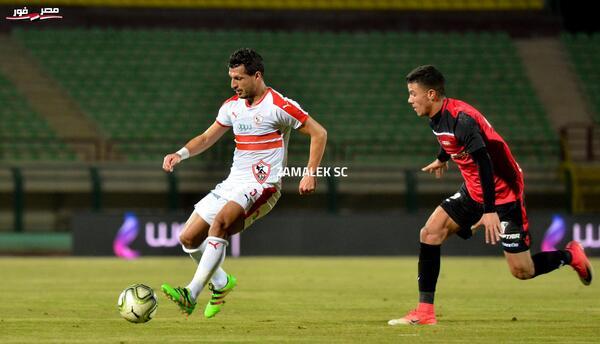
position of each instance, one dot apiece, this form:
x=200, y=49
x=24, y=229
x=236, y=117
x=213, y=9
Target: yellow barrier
x=429, y=5
x=585, y=186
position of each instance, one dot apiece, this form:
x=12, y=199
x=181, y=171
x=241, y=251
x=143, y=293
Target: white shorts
x=256, y=199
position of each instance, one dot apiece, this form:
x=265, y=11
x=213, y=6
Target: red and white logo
x=214, y=244
x=45, y=13
x=261, y=171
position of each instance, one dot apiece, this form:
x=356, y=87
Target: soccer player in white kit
x=261, y=119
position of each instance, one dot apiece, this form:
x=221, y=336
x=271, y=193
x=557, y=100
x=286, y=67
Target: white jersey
x=262, y=132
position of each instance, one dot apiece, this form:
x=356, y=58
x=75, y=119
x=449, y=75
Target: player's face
x=420, y=99
x=243, y=84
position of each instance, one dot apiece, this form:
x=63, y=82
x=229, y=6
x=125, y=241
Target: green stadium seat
x=144, y=84
x=24, y=135
x=584, y=51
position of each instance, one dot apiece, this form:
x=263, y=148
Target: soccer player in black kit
x=491, y=195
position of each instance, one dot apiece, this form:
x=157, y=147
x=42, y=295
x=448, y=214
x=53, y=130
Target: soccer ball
x=137, y=303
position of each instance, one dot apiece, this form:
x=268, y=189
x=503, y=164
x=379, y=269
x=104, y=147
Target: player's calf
x=522, y=273
x=521, y=265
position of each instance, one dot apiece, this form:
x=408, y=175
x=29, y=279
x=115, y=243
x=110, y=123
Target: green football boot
x=218, y=295
x=181, y=296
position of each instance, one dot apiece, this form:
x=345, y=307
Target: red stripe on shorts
x=262, y=199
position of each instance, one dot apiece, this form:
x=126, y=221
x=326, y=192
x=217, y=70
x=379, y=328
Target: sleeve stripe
x=293, y=111
x=223, y=125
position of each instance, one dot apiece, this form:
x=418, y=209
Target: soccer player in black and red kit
x=491, y=195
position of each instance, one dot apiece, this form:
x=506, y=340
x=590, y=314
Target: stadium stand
x=150, y=90
x=584, y=50
x=24, y=135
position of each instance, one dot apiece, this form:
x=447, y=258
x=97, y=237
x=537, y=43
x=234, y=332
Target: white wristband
x=184, y=153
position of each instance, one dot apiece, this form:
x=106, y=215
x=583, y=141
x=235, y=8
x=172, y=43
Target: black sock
x=429, y=270
x=545, y=262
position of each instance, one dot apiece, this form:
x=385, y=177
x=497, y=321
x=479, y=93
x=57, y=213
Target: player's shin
x=429, y=270
x=545, y=262
x=195, y=253
x=211, y=259
x=219, y=278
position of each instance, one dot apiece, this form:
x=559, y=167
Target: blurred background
x=94, y=93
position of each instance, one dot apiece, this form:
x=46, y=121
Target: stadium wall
x=519, y=23
x=298, y=233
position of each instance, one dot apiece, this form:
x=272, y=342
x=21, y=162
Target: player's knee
x=433, y=236
x=219, y=228
x=188, y=241
x=522, y=272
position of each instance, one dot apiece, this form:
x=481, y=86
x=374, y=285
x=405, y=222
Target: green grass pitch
x=296, y=300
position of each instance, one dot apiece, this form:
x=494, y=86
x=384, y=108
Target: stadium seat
x=141, y=85
x=584, y=52
x=25, y=135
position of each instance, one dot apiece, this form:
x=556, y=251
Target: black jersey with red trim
x=461, y=130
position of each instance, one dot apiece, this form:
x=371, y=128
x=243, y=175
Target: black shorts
x=466, y=212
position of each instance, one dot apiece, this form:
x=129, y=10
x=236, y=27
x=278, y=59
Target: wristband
x=184, y=153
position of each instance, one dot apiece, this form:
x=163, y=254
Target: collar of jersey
x=438, y=115
x=260, y=100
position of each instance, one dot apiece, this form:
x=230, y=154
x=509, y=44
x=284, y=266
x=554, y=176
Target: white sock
x=219, y=278
x=211, y=259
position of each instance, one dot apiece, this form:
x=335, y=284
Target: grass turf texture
x=296, y=300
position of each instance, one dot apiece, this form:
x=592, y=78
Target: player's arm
x=318, y=140
x=490, y=219
x=468, y=132
x=195, y=146
x=439, y=165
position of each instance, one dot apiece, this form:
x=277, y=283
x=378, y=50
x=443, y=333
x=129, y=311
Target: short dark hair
x=428, y=76
x=251, y=60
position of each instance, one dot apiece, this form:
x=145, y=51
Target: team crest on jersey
x=261, y=171
x=258, y=118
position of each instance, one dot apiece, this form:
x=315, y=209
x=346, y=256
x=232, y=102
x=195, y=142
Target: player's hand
x=308, y=184
x=437, y=166
x=491, y=222
x=170, y=161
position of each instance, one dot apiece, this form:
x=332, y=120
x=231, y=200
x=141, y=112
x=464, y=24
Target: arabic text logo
x=45, y=13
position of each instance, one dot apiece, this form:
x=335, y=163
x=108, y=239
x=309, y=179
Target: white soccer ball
x=137, y=303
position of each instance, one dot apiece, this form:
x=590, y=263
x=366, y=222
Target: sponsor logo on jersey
x=455, y=196
x=510, y=236
x=461, y=155
x=244, y=127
